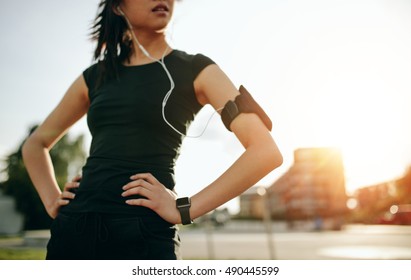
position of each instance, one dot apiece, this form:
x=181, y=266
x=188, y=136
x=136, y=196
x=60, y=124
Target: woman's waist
x=103, y=201
x=103, y=173
x=105, y=198
x=165, y=163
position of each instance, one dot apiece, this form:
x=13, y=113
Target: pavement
x=353, y=242
x=251, y=240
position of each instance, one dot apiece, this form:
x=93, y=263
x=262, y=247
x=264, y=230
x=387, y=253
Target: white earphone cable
x=172, y=84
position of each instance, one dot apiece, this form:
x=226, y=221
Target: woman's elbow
x=30, y=146
x=27, y=147
x=273, y=156
x=276, y=158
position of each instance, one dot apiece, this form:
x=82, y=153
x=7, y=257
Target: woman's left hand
x=157, y=197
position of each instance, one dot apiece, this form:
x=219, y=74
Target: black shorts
x=96, y=236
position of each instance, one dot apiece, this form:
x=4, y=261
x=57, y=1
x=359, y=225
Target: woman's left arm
x=261, y=154
x=260, y=157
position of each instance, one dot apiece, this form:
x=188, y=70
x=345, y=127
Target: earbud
x=146, y=53
x=120, y=11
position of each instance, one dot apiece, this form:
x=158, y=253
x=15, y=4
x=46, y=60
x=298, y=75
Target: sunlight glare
x=341, y=84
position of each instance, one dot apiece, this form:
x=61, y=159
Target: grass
x=11, y=249
x=22, y=253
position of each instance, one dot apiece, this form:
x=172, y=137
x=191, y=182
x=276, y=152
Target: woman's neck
x=147, y=47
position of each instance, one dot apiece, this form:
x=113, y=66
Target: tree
x=66, y=154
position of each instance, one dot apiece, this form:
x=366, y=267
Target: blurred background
x=334, y=76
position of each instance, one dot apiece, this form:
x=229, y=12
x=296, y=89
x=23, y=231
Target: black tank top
x=128, y=132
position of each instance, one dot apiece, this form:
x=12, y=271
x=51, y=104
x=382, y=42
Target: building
x=374, y=201
x=312, y=189
x=251, y=203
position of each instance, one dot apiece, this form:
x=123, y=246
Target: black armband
x=243, y=103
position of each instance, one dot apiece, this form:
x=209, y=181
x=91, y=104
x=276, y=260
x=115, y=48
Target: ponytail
x=114, y=44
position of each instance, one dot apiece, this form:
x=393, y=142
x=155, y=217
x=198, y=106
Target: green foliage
x=65, y=154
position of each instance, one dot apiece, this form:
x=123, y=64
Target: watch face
x=183, y=202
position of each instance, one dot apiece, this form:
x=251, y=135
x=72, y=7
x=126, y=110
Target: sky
x=328, y=72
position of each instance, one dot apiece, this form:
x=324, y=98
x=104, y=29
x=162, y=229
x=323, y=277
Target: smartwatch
x=183, y=205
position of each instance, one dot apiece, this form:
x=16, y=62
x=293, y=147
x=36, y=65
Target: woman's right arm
x=36, y=156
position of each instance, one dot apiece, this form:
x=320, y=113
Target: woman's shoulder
x=197, y=61
x=191, y=57
x=91, y=69
x=92, y=73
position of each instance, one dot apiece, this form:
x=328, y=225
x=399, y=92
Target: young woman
x=140, y=97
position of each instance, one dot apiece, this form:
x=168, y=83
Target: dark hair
x=114, y=44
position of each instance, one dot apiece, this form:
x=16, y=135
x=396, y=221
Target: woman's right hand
x=66, y=195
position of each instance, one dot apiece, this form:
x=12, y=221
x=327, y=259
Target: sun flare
x=364, y=127
x=329, y=81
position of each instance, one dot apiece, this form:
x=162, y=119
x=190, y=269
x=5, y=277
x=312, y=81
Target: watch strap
x=185, y=215
x=183, y=206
